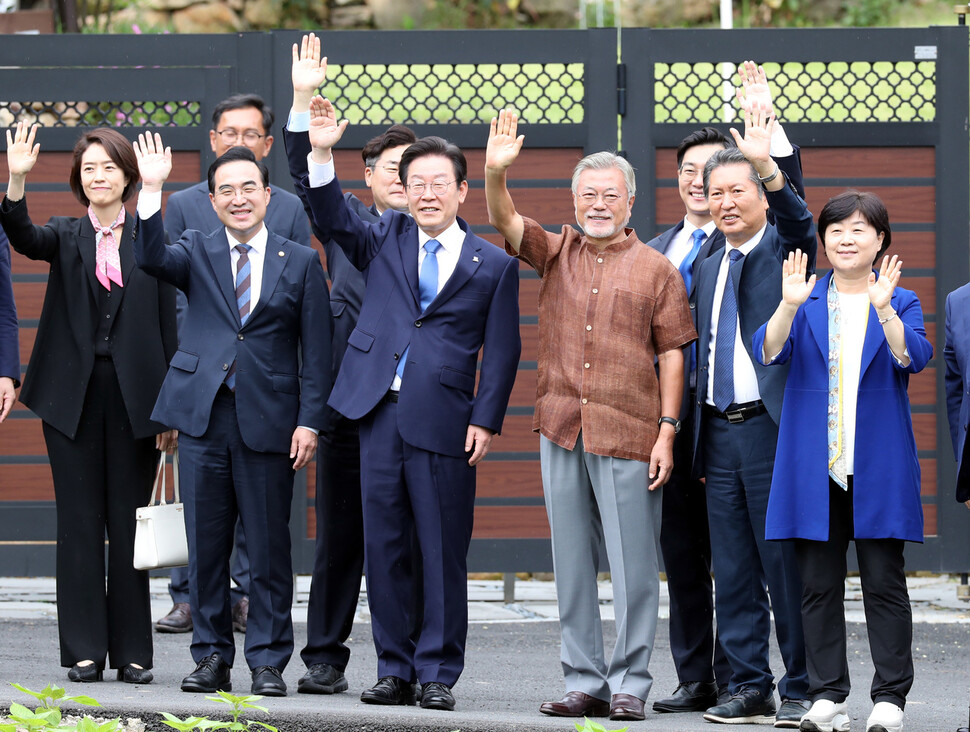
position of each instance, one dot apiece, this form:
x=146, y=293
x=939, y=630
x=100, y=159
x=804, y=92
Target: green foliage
x=239, y=704
x=47, y=716
x=591, y=726
x=865, y=13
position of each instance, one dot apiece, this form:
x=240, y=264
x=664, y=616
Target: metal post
x=508, y=580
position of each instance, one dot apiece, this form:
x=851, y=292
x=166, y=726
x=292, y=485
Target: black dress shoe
x=132, y=674
x=692, y=696
x=322, y=678
x=389, y=690
x=268, y=681
x=435, y=695
x=178, y=620
x=240, y=615
x=85, y=674
x=210, y=676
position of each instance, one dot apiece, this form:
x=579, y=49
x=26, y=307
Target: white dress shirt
x=745, y=378
x=683, y=241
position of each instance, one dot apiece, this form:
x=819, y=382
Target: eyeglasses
x=231, y=136
x=688, y=173
x=227, y=193
x=438, y=187
x=590, y=198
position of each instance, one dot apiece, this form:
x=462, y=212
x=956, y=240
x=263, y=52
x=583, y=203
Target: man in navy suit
x=242, y=119
x=436, y=296
x=339, y=556
x=9, y=334
x=248, y=417
x=703, y=672
x=736, y=413
x=956, y=354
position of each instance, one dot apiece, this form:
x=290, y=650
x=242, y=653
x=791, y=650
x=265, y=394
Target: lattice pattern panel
x=380, y=94
x=835, y=91
x=94, y=114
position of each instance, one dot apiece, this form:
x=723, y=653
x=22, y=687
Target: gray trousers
x=589, y=498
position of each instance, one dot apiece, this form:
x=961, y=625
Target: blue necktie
x=687, y=266
x=243, y=296
x=727, y=321
x=427, y=288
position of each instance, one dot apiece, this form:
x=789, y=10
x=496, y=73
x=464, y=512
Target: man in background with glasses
x=242, y=119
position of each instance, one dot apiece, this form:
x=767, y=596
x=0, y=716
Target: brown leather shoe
x=577, y=704
x=240, y=615
x=626, y=706
x=178, y=620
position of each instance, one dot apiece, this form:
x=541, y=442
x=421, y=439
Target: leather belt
x=738, y=412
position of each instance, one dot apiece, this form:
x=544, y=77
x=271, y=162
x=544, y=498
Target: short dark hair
x=730, y=156
x=869, y=205
x=393, y=136
x=232, y=155
x=703, y=136
x=120, y=151
x=244, y=101
x=434, y=146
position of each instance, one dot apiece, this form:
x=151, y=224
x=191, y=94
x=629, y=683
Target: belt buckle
x=735, y=417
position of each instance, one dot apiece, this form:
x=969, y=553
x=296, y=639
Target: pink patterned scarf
x=108, y=261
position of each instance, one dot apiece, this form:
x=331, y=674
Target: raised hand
x=759, y=121
x=154, y=161
x=795, y=289
x=309, y=70
x=325, y=131
x=881, y=290
x=22, y=151
x=503, y=145
x=754, y=87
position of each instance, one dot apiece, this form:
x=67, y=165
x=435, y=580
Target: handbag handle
x=160, y=478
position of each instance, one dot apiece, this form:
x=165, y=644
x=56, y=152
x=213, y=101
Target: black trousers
x=889, y=617
x=685, y=541
x=100, y=478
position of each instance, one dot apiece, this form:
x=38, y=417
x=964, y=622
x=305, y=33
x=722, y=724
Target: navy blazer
x=757, y=283
x=141, y=340
x=9, y=329
x=477, y=308
x=291, y=319
x=956, y=354
x=346, y=281
x=886, y=485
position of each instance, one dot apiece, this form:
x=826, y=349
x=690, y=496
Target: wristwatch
x=675, y=423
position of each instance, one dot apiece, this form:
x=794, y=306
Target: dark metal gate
x=575, y=98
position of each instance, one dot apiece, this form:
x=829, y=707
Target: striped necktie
x=727, y=320
x=243, y=298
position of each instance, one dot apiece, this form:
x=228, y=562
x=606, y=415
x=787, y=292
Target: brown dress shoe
x=240, y=615
x=626, y=706
x=178, y=620
x=577, y=704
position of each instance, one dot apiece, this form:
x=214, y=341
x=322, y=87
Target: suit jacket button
x=225, y=367
x=241, y=337
x=397, y=356
x=417, y=323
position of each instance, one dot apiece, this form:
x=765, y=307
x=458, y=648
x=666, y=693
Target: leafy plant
x=591, y=726
x=239, y=706
x=47, y=716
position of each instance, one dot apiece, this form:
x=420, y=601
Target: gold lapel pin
x=281, y=254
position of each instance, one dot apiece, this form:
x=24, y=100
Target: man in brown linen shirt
x=610, y=308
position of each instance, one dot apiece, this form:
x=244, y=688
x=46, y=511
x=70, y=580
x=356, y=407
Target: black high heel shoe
x=85, y=674
x=131, y=674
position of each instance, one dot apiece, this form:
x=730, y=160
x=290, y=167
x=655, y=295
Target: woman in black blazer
x=105, y=336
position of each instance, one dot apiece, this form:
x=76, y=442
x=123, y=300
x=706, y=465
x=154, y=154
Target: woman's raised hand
x=881, y=290
x=154, y=161
x=22, y=151
x=795, y=289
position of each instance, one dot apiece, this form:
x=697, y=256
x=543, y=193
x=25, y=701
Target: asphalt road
x=511, y=668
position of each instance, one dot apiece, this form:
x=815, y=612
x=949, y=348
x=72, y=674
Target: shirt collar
x=451, y=238
x=707, y=228
x=258, y=242
x=750, y=244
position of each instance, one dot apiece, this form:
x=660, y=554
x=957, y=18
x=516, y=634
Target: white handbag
x=160, y=528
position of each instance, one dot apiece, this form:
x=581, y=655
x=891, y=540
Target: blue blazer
x=757, y=283
x=956, y=354
x=9, y=329
x=478, y=308
x=291, y=319
x=886, y=477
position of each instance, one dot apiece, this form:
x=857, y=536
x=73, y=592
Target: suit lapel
x=706, y=282
x=875, y=337
x=217, y=250
x=817, y=314
x=273, y=265
x=127, y=255
x=408, y=249
x=86, y=247
x=468, y=263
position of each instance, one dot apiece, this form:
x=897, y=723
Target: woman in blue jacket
x=846, y=466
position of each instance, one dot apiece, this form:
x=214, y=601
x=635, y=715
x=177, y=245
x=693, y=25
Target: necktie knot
x=242, y=249
x=699, y=237
x=432, y=245
x=735, y=255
